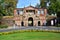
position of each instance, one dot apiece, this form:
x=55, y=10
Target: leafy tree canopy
x=7, y=7
x=54, y=7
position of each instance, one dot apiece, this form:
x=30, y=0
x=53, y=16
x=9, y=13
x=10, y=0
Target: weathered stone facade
x=30, y=16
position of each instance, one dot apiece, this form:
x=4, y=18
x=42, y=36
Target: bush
x=58, y=25
x=22, y=31
x=3, y=26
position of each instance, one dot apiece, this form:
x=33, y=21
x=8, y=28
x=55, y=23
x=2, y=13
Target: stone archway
x=38, y=23
x=30, y=21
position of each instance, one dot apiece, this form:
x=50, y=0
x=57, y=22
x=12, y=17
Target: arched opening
x=38, y=23
x=30, y=21
x=22, y=23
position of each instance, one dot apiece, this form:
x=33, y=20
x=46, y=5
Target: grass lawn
x=31, y=36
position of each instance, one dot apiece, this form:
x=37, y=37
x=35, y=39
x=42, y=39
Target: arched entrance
x=30, y=21
x=22, y=23
x=38, y=23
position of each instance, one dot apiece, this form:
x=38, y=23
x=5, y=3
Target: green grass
x=31, y=36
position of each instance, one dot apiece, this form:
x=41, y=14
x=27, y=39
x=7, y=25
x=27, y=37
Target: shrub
x=58, y=25
x=3, y=26
x=21, y=31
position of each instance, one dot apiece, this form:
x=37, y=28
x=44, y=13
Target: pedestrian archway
x=38, y=23
x=22, y=23
x=30, y=21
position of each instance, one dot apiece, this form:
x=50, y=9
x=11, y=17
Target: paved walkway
x=27, y=28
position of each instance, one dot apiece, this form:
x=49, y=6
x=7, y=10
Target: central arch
x=30, y=21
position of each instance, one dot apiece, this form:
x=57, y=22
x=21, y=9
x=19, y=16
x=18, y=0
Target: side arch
x=38, y=23
x=22, y=23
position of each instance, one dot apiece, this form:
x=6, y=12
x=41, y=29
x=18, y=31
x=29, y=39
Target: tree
x=1, y=1
x=7, y=7
x=38, y=5
x=43, y=4
x=54, y=7
x=10, y=5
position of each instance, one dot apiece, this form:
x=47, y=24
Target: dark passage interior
x=30, y=21
x=38, y=23
x=22, y=23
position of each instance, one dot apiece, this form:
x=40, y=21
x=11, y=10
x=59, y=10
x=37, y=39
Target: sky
x=25, y=3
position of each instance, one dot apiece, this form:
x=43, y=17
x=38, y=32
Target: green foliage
x=29, y=36
x=43, y=4
x=58, y=25
x=54, y=6
x=22, y=31
x=3, y=26
x=38, y=5
x=7, y=7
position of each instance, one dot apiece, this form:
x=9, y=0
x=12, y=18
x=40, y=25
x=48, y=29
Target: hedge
x=3, y=26
x=21, y=31
x=58, y=25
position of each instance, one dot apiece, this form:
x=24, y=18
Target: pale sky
x=22, y=3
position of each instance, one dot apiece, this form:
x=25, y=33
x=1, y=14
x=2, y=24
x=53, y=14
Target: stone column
x=41, y=22
x=26, y=23
x=34, y=23
x=45, y=12
x=20, y=23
